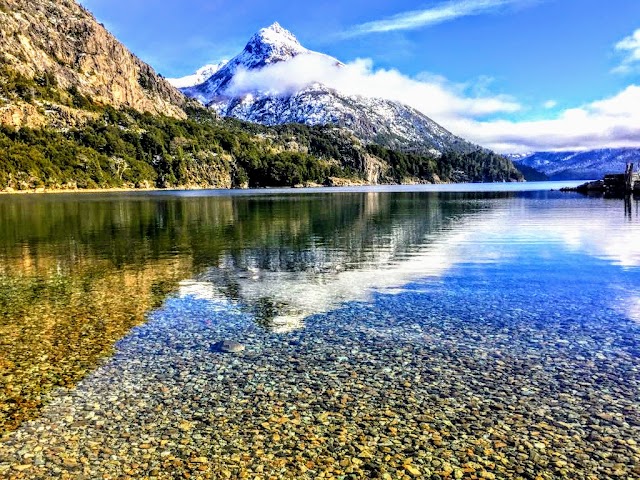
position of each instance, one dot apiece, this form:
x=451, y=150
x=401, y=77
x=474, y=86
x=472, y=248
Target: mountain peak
x=276, y=27
x=276, y=34
x=270, y=45
x=200, y=76
x=255, y=98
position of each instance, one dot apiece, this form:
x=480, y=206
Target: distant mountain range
x=373, y=120
x=583, y=165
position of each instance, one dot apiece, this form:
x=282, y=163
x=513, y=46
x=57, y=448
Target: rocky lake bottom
x=519, y=358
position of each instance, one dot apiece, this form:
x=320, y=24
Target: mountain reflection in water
x=78, y=272
x=281, y=286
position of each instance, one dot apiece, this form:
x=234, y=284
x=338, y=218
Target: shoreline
x=440, y=187
x=40, y=191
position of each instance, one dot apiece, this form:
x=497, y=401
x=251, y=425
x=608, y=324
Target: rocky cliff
x=60, y=43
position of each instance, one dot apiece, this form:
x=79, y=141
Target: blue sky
x=550, y=57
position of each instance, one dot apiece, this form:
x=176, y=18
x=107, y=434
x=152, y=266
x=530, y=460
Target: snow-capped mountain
x=584, y=165
x=200, y=76
x=307, y=100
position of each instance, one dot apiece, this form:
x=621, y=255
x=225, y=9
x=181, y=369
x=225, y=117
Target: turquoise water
x=388, y=332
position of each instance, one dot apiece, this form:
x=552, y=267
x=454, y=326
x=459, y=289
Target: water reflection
x=280, y=287
x=78, y=272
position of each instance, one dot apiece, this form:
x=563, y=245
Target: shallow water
x=388, y=333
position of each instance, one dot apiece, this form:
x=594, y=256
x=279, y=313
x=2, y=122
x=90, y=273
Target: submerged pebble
x=228, y=346
x=418, y=387
x=525, y=368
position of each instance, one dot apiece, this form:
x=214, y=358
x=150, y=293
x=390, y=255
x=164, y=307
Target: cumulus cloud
x=630, y=47
x=428, y=94
x=607, y=123
x=444, y=12
x=465, y=110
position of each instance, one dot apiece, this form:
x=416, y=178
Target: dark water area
x=388, y=333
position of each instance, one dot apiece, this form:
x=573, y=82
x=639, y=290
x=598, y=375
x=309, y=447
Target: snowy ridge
x=582, y=165
x=200, y=76
x=372, y=119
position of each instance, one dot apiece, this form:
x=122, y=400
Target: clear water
x=387, y=332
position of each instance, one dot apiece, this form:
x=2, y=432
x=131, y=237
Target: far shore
x=40, y=191
x=336, y=182
x=93, y=190
x=341, y=187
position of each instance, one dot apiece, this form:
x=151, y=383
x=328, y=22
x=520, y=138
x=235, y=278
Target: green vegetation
x=132, y=149
x=44, y=87
x=124, y=148
x=478, y=166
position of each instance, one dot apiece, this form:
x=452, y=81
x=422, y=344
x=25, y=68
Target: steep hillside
x=55, y=52
x=373, y=120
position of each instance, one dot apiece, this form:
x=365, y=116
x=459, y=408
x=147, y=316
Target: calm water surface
x=389, y=333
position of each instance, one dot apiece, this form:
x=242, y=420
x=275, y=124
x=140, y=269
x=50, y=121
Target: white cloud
x=431, y=16
x=426, y=93
x=549, y=104
x=463, y=109
x=630, y=47
x=608, y=123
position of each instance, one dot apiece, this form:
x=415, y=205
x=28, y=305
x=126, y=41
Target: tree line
x=125, y=148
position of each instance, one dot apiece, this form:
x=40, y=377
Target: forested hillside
x=130, y=149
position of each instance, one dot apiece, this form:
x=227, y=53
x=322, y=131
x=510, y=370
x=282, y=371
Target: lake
x=478, y=331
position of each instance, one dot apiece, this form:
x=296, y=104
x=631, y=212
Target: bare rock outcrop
x=63, y=39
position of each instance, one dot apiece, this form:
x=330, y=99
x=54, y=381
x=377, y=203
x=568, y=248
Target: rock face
x=64, y=40
x=374, y=120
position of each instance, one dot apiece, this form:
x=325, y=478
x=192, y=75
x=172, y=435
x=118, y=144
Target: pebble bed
x=481, y=374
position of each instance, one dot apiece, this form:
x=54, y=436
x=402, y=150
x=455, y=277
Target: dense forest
x=125, y=148
x=140, y=150
x=478, y=166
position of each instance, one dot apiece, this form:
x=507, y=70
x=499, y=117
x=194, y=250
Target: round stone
x=229, y=346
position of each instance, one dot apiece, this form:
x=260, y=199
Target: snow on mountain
x=279, y=99
x=372, y=119
x=582, y=165
x=200, y=76
x=270, y=45
x=517, y=157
